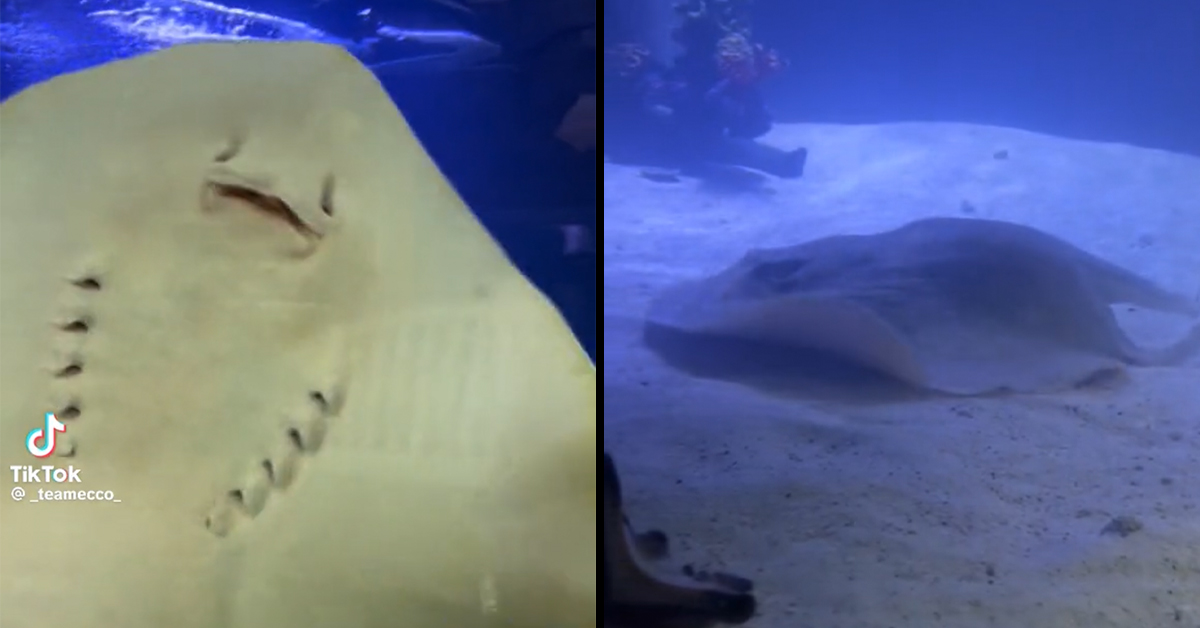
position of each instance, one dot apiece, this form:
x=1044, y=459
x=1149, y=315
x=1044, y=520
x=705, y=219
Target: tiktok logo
x=46, y=435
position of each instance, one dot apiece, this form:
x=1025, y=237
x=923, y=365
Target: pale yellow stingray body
x=321, y=393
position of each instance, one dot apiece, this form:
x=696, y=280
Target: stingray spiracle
x=302, y=437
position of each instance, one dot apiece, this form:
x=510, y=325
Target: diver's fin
x=636, y=596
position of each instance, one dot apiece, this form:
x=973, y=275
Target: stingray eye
x=777, y=272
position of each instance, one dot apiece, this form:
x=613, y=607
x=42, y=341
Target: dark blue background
x=477, y=125
x=1112, y=70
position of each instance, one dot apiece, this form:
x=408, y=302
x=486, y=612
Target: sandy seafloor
x=957, y=513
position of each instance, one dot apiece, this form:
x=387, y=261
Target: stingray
x=391, y=52
x=319, y=390
x=448, y=50
x=961, y=306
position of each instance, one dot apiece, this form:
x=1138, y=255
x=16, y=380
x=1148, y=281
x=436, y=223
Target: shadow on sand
x=787, y=372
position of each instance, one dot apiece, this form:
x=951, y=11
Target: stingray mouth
x=270, y=206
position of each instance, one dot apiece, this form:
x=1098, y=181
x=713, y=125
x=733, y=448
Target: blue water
x=457, y=89
x=1103, y=70
x=40, y=39
x=1080, y=118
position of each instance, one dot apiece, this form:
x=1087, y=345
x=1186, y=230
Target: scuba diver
x=705, y=107
x=553, y=44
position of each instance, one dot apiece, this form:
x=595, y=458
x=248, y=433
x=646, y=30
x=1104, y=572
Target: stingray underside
x=318, y=389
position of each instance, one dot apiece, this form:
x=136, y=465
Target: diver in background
x=553, y=44
x=706, y=106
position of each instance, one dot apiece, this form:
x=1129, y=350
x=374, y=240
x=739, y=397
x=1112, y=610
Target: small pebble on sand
x=1122, y=526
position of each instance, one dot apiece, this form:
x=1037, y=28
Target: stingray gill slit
x=276, y=471
x=67, y=365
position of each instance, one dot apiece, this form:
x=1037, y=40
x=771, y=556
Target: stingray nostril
x=70, y=411
x=237, y=496
x=87, y=283
x=231, y=151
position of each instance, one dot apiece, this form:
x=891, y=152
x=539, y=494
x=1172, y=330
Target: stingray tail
x=1172, y=354
x=1117, y=285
